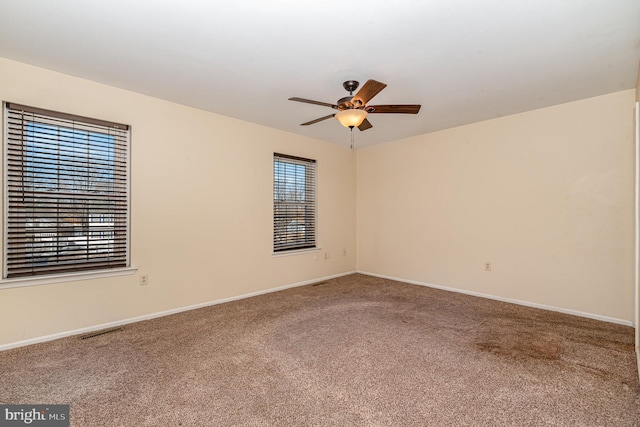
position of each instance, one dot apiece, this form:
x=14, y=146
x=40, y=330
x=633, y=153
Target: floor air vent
x=98, y=333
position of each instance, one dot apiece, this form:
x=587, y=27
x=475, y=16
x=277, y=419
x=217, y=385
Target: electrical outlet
x=144, y=280
x=327, y=255
x=487, y=266
x=344, y=252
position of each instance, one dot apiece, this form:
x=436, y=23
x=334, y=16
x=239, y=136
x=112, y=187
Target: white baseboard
x=162, y=313
x=509, y=300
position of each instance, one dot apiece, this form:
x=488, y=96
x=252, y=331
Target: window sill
x=294, y=252
x=67, y=277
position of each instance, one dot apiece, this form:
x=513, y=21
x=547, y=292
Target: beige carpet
x=353, y=351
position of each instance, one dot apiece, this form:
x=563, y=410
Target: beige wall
x=201, y=209
x=546, y=196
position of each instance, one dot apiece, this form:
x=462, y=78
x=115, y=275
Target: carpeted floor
x=353, y=351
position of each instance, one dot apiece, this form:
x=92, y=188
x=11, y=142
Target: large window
x=294, y=203
x=66, y=192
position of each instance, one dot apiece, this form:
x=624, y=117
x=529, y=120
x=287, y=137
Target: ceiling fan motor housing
x=345, y=103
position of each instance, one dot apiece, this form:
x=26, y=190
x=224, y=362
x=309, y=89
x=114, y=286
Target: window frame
x=294, y=243
x=92, y=267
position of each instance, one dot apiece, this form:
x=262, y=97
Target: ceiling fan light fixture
x=351, y=118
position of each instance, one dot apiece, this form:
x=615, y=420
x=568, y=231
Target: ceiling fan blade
x=370, y=89
x=402, y=109
x=317, y=120
x=310, y=101
x=365, y=125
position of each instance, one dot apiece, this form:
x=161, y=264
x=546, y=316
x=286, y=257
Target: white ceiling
x=463, y=60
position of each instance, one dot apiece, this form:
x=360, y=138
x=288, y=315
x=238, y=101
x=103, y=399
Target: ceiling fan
x=353, y=111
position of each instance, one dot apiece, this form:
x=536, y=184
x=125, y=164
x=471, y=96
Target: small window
x=66, y=187
x=294, y=203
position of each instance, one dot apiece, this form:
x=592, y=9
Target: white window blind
x=294, y=203
x=66, y=191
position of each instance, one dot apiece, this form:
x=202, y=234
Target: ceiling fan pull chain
x=351, y=138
